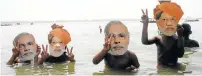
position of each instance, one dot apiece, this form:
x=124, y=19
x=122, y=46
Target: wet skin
x=186, y=33
x=169, y=48
x=117, y=36
x=24, y=46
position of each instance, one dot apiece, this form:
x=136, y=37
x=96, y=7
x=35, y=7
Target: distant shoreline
x=7, y=23
x=69, y=21
x=86, y=20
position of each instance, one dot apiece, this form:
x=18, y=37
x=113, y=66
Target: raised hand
x=70, y=54
x=180, y=30
x=107, y=44
x=38, y=51
x=14, y=58
x=144, y=17
x=44, y=53
x=106, y=47
x=36, y=58
x=16, y=50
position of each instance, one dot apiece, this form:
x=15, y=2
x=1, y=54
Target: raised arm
x=15, y=51
x=180, y=41
x=145, y=39
x=100, y=56
x=36, y=58
x=11, y=60
x=70, y=55
x=44, y=55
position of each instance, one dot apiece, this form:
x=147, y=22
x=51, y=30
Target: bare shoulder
x=131, y=53
x=158, y=37
x=133, y=56
x=194, y=43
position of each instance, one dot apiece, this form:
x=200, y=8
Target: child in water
x=58, y=39
x=170, y=47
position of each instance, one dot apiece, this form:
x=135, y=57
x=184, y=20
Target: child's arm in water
x=134, y=61
x=180, y=41
x=145, y=39
x=100, y=56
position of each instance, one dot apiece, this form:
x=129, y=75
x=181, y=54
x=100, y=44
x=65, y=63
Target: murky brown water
x=87, y=41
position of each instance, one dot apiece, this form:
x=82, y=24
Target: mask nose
x=26, y=48
x=57, y=45
x=169, y=23
x=116, y=40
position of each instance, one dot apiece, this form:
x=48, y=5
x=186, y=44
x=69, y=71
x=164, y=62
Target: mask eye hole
x=110, y=35
x=122, y=35
x=30, y=43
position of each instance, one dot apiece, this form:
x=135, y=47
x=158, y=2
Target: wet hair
x=186, y=26
x=106, y=30
x=15, y=41
x=187, y=29
x=158, y=15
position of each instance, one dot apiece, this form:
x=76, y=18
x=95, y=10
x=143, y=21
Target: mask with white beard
x=56, y=52
x=29, y=55
x=118, y=49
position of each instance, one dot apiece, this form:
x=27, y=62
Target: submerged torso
x=59, y=59
x=166, y=51
x=118, y=62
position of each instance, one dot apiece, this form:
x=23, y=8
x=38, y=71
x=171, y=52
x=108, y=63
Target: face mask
x=27, y=56
x=118, y=49
x=56, y=52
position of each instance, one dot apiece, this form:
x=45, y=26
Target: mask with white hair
x=119, y=37
x=27, y=45
x=57, y=47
